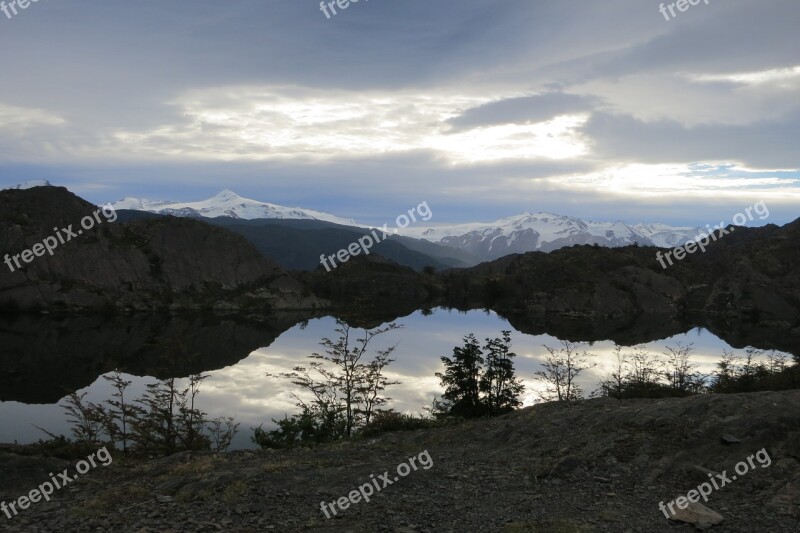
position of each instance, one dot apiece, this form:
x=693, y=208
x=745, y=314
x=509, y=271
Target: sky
x=484, y=109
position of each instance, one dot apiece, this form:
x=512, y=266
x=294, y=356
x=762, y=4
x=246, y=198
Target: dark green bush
x=61, y=447
x=304, y=429
x=390, y=420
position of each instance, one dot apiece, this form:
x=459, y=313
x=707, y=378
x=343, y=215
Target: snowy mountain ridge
x=546, y=232
x=229, y=204
x=522, y=233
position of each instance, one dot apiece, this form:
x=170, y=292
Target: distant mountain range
x=295, y=237
x=479, y=241
x=546, y=232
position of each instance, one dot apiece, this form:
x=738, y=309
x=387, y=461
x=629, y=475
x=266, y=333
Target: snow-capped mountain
x=228, y=204
x=667, y=236
x=29, y=185
x=546, y=232
x=527, y=232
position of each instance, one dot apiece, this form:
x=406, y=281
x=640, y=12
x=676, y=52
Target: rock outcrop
x=168, y=263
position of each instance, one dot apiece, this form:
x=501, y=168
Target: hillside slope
x=599, y=466
x=298, y=244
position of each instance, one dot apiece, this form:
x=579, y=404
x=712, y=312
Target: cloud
x=522, y=110
x=764, y=144
x=253, y=123
x=15, y=118
x=487, y=108
x=723, y=37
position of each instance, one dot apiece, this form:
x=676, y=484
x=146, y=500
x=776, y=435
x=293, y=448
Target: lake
x=42, y=358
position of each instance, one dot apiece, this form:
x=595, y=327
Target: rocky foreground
x=602, y=465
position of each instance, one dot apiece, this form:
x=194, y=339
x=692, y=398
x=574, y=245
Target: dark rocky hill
x=164, y=262
x=745, y=288
x=746, y=285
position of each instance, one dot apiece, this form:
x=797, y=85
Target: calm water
x=242, y=389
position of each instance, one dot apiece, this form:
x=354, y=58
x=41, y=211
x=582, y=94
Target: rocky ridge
x=164, y=263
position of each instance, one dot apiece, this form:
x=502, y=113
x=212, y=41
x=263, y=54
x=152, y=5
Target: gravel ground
x=598, y=466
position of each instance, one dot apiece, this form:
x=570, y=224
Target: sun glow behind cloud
x=258, y=124
x=554, y=139
x=780, y=77
x=697, y=181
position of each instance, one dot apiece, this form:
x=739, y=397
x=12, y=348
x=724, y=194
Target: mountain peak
x=226, y=194
x=227, y=203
